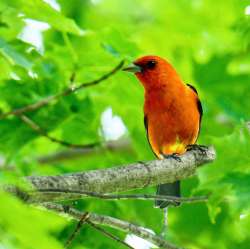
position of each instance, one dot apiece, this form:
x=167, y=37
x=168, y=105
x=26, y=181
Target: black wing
x=146, y=127
x=199, y=106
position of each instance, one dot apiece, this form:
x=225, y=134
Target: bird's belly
x=170, y=132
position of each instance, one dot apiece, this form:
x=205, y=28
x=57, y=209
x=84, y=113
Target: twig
x=122, y=144
x=77, y=229
x=82, y=194
x=248, y=125
x=70, y=47
x=114, y=223
x=84, y=219
x=125, y=178
x=108, y=234
x=43, y=133
x=72, y=78
x=46, y=101
x=164, y=229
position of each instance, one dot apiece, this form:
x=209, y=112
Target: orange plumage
x=172, y=109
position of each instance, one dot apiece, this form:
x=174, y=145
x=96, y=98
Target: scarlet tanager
x=172, y=113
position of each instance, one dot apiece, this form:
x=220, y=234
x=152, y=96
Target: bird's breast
x=173, y=121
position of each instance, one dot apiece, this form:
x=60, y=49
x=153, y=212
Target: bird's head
x=152, y=71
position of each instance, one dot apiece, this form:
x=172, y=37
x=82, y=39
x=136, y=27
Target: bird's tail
x=170, y=189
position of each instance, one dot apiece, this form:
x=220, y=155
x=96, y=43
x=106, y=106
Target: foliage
x=209, y=46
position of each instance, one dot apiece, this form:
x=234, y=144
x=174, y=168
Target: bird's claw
x=201, y=148
x=173, y=156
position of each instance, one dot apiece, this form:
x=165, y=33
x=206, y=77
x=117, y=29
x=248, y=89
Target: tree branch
x=248, y=125
x=125, y=178
x=85, y=219
x=114, y=223
x=68, y=91
x=77, y=229
x=69, y=154
x=43, y=133
x=109, y=235
x=145, y=197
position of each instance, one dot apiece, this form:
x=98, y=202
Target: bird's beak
x=133, y=69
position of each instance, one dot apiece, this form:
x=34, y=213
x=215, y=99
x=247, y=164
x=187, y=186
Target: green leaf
x=28, y=221
x=214, y=203
x=42, y=11
x=227, y=178
x=14, y=57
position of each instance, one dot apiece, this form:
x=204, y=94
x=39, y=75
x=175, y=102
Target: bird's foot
x=201, y=148
x=174, y=156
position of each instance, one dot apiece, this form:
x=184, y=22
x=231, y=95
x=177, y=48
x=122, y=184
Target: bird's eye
x=151, y=64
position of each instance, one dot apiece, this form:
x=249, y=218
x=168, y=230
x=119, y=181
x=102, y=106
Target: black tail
x=171, y=189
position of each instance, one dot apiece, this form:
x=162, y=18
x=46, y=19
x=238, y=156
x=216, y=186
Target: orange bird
x=172, y=113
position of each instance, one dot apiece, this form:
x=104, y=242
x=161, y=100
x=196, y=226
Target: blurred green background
x=207, y=41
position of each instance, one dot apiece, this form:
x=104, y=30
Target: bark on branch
x=118, y=179
x=114, y=223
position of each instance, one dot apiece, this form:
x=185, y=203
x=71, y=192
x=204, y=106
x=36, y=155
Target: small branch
x=248, y=125
x=69, y=154
x=77, y=229
x=70, y=47
x=43, y=133
x=68, y=91
x=114, y=223
x=72, y=78
x=145, y=197
x=108, y=234
x=164, y=228
x=84, y=219
x=125, y=178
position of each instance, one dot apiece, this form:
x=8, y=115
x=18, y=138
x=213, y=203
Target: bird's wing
x=146, y=127
x=199, y=106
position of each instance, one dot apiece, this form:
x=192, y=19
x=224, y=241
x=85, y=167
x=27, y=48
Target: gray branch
x=123, y=178
x=69, y=154
x=114, y=223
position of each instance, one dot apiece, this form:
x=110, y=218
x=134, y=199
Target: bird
x=172, y=114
